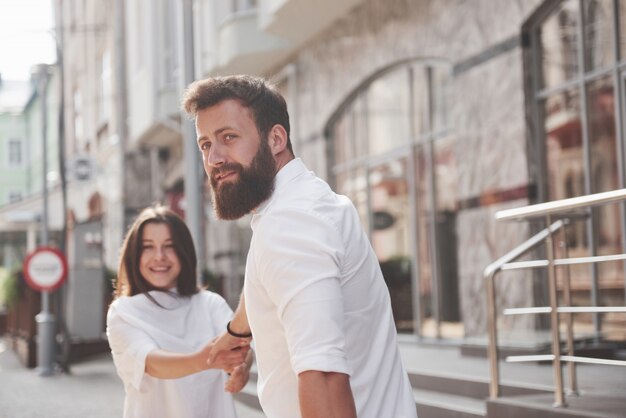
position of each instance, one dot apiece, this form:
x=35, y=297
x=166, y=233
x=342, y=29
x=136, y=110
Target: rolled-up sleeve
x=299, y=258
x=129, y=346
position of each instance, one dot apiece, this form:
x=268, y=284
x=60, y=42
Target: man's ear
x=277, y=139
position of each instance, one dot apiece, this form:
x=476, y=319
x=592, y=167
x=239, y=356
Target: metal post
x=121, y=105
x=559, y=399
x=567, y=299
x=191, y=156
x=492, y=348
x=45, y=320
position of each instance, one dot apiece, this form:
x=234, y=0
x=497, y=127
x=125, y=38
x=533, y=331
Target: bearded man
x=314, y=297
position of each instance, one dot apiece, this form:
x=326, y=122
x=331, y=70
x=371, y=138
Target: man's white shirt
x=316, y=300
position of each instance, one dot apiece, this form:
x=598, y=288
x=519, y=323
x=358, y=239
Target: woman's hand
x=226, y=360
x=238, y=378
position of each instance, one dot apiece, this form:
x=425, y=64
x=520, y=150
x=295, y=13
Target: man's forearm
x=325, y=395
x=239, y=323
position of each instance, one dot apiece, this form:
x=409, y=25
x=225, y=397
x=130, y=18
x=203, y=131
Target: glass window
x=601, y=108
x=106, y=88
x=169, y=52
x=388, y=112
x=390, y=235
x=599, y=29
x=421, y=97
x=424, y=225
x=359, y=125
x=15, y=152
x=342, y=138
x=622, y=29
x=564, y=152
x=559, y=45
x=15, y=196
x=580, y=140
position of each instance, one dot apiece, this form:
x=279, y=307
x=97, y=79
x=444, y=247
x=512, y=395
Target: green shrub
x=9, y=287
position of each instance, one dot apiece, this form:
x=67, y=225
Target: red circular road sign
x=45, y=269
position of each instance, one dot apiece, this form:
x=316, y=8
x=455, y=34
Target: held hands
x=225, y=344
x=228, y=360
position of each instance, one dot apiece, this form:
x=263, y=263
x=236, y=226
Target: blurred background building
x=430, y=115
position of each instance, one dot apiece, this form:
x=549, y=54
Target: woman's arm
x=164, y=364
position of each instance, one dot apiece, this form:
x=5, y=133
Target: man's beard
x=253, y=185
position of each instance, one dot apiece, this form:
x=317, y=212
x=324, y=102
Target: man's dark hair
x=267, y=105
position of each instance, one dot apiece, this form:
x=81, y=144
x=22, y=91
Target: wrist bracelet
x=235, y=334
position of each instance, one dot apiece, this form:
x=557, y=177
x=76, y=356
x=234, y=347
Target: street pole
x=45, y=320
x=121, y=105
x=191, y=157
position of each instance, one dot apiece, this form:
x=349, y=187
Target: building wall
x=480, y=40
x=91, y=124
x=12, y=177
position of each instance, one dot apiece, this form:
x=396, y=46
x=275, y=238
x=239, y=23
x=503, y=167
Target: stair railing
x=566, y=210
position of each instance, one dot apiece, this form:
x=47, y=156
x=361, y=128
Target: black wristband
x=234, y=334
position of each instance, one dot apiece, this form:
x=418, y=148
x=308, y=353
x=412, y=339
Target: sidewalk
x=91, y=390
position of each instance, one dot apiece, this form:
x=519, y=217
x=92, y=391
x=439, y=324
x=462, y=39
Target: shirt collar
x=288, y=172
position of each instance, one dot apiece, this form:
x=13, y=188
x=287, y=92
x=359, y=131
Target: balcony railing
x=557, y=215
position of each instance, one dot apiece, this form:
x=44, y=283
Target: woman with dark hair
x=160, y=327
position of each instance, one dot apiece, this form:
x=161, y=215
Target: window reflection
x=559, y=47
x=388, y=112
x=599, y=28
x=390, y=236
x=622, y=29
x=581, y=142
x=604, y=176
x=566, y=167
x=424, y=247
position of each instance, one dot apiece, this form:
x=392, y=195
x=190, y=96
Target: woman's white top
x=137, y=326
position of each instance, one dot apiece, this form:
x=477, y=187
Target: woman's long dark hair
x=130, y=282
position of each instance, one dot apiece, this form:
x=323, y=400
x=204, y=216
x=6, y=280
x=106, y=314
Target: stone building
x=430, y=115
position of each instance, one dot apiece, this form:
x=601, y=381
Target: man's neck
x=282, y=159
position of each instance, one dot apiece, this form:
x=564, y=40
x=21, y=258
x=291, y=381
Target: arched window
x=392, y=152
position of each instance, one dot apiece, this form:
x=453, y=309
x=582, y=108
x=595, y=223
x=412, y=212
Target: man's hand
x=226, y=343
x=226, y=359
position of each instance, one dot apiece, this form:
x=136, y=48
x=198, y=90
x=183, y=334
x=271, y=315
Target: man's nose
x=216, y=156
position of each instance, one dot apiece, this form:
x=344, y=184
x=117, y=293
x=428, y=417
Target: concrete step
x=434, y=404
x=541, y=406
x=475, y=387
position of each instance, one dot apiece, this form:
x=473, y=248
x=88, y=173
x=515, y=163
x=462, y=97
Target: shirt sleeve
x=298, y=255
x=129, y=346
x=218, y=310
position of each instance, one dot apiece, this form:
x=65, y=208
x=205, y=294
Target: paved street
x=91, y=390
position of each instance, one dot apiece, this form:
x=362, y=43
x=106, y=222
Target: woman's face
x=158, y=263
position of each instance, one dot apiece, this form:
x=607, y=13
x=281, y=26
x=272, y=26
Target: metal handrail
x=548, y=210
x=561, y=206
x=489, y=275
x=563, y=261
